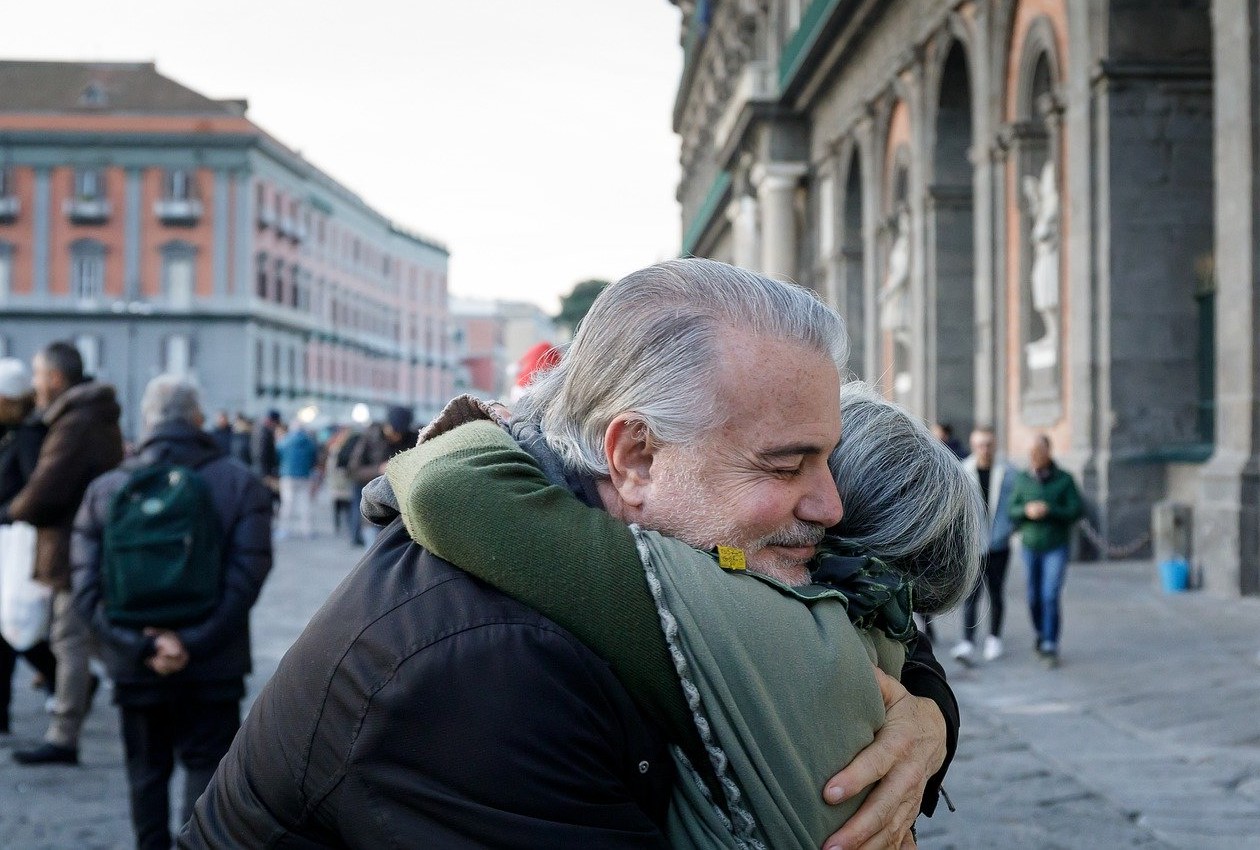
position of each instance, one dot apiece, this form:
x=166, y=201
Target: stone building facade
x=161, y=230
x=489, y=337
x=1038, y=214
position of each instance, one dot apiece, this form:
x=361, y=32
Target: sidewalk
x=1147, y=736
x=56, y=808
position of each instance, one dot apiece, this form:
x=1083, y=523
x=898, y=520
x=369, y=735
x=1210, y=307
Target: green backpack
x=162, y=559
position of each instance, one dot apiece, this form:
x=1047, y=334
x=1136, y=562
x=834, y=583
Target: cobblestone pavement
x=1147, y=736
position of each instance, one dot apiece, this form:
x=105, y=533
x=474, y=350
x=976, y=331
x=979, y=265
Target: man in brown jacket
x=83, y=442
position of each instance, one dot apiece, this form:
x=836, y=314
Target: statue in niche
x=1042, y=195
x=894, y=304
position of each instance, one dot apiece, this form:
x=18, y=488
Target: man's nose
x=822, y=503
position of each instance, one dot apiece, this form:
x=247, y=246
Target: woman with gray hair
x=778, y=680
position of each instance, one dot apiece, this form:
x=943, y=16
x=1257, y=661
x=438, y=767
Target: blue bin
x=1174, y=575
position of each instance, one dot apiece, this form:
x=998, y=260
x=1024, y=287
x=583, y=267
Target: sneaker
x=47, y=754
x=992, y=648
x=962, y=652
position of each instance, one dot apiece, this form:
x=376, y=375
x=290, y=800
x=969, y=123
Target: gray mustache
x=800, y=534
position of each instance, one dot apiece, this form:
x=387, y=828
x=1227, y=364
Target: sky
x=532, y=137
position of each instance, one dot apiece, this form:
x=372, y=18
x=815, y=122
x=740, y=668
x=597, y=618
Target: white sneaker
x=962, y=651
x=992, y=648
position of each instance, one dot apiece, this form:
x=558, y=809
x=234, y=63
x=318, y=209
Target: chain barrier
x=1113, y=552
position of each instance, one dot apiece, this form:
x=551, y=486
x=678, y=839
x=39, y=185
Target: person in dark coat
x=83, y=441
x=367, y=461
x=178, y=691
x=222, y=432
x=262, y=451
x=21, y=433
x=242, y=435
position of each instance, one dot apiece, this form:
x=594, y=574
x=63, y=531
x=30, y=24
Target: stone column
x=1227, y=517
x=742, y=214
x=776, y=195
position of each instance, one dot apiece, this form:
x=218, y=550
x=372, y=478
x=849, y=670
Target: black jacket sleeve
x=923, y=676
x=247, y=560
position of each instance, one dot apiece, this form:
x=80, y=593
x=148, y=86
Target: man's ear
x=629, y=450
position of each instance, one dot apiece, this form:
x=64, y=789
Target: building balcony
x=756, y=87
x=177, y=210
x=87, y=210
x=10, y=206
x=266, y=218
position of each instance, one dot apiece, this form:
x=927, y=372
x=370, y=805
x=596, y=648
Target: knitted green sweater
x=785, y=691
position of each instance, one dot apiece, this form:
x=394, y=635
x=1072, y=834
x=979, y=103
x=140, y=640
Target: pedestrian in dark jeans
x=1045, y=504
x=21, y=434
x=178, y=689
x=996, y=481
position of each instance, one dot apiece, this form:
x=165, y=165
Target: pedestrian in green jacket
x=1045, y=504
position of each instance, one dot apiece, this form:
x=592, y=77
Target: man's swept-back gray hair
x=650, y=346
x=170, y=398
x=907, y=499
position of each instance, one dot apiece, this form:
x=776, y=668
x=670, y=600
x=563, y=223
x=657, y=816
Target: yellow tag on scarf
x=731, y=558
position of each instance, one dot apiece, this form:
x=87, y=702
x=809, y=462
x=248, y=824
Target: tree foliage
x=575, y=305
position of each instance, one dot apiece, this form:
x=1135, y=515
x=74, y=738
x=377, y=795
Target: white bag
x=25, y=604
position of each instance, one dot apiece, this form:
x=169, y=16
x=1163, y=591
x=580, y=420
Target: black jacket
x=422, y=708
x=19, y=452
x=218, y=647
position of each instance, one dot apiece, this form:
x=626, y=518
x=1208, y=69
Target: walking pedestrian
x=1045, y=504
x=995, y=480
x=222, y=431
x=21, y=433
x=262, y=451
x=381, y=442
x=242, y=436
x=297, y=453
x=337, y=475
x=83, y=441
x=178, y=683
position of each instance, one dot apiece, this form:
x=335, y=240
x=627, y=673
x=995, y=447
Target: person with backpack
x=170, y=552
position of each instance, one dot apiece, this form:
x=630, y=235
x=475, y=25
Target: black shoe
x=47, y=754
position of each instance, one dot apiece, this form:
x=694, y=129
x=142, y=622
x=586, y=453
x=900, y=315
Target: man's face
x=1039, y=454
x=759, y=481
x=48, y=382
x=982, y=446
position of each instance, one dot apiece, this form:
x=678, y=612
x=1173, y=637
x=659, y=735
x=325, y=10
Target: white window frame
x=87, y=271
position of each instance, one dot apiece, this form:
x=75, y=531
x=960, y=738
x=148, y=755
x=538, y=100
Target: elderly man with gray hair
x=178, y=683
x=422, y=707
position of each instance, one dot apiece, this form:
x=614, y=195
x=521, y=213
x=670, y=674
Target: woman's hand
x=907, y=751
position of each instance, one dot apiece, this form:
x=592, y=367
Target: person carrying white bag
x=25, y=604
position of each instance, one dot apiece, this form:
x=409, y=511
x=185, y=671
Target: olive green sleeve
x=473, y=497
